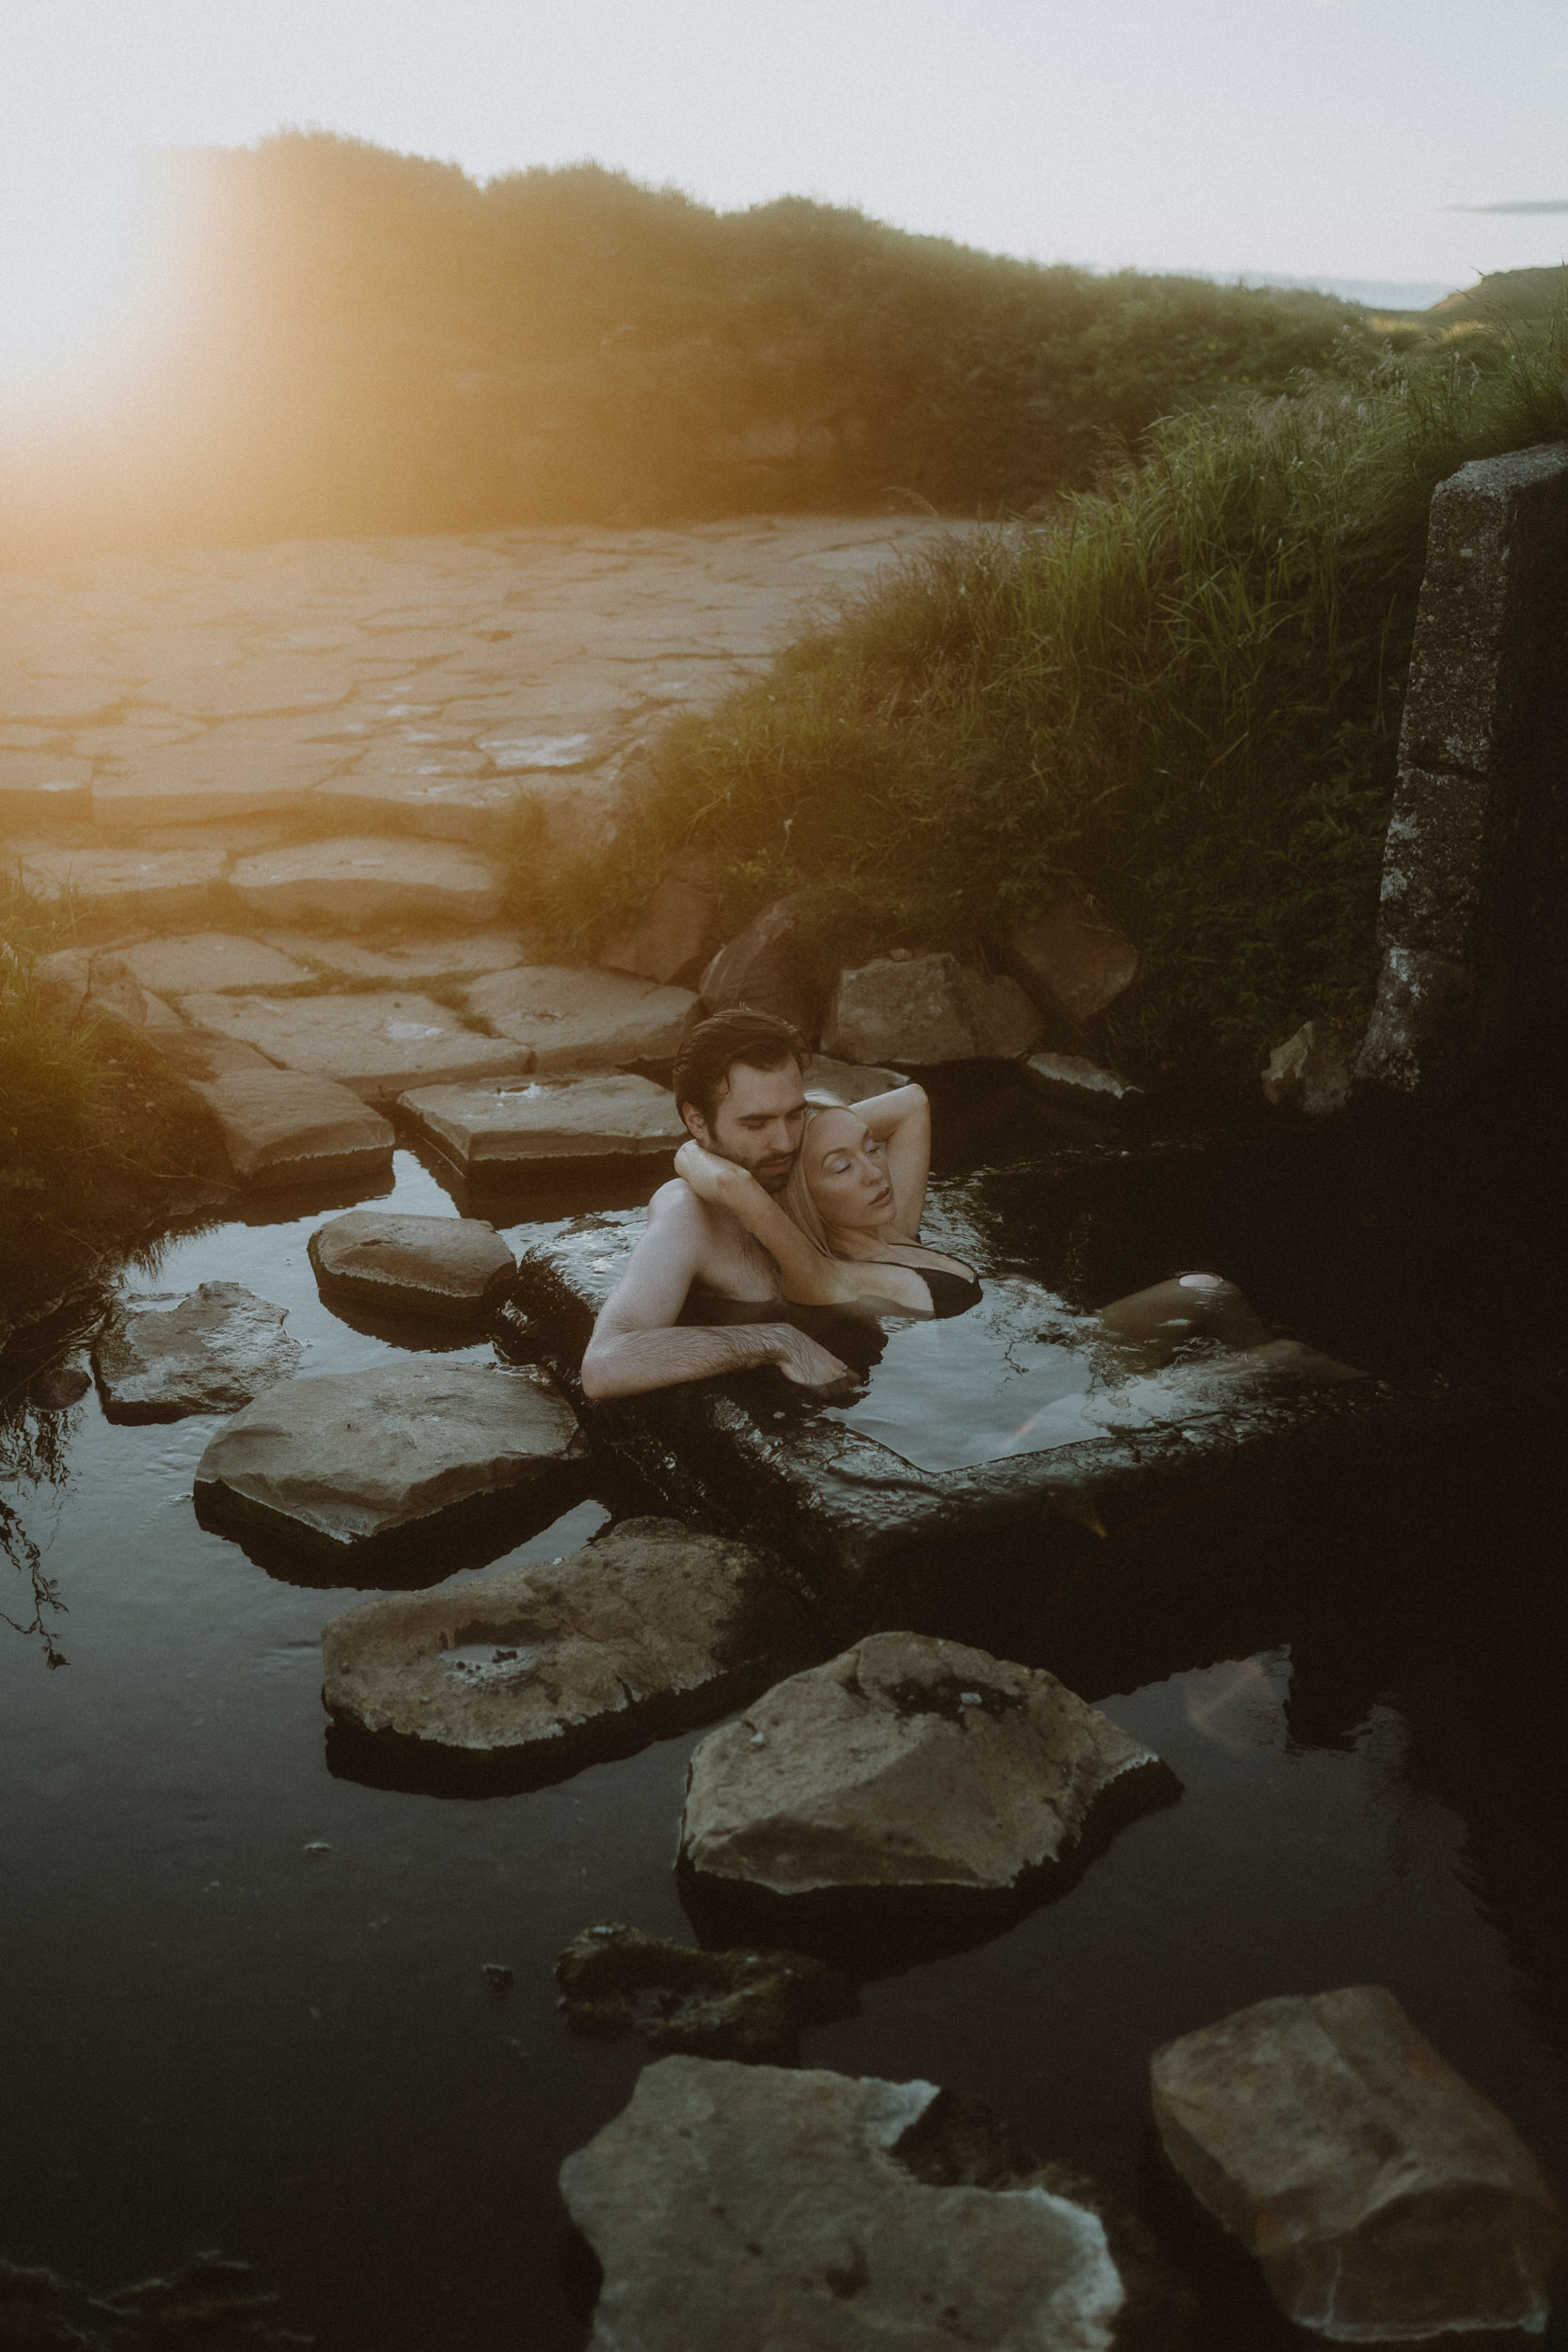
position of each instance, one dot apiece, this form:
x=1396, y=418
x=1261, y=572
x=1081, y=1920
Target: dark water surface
x=245, y=2001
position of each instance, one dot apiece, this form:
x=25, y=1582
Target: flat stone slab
x=448, y=1269
x=161, y=1357
x=583, y=1020
x=213, y=783
x=288, y=1127
x=502, y=1126
x=353, y=881
x=615, y=1980
x=442, y=955
x=155, y=885
x=998, y=1452
x=906, y=1764
x=39, y=789
x=733, y=2206
x=647, y=1630
x=444, y=797
x=201, y=961
x=1384, y=2199
x=378, y=1046
x=1078, y=1084
x=389, y=1458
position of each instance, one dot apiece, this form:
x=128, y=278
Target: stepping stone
x=504, y=1126
x=1384, y=2198
x=207, y=960
x=908, y=1763
x=38, y=790
x=576, y=1020
x=197, y=1054
x=444, y=796
x=285, y=1127
x=647, y=1630
x=208, y=784
x=377, y=1045
x=453, y=1269
x=839, y=1084
x=149, y=886
x=353, y=882
x=387, y=1459
x=733, y=2205
x=752, y=2005
x=161, y=1357
x=439, y=957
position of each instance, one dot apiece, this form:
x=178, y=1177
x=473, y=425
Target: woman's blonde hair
x=796, y=1200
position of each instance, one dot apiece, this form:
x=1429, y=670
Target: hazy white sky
x=1301, y=136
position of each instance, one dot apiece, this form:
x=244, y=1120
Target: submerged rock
x=450, y=1269
x=1384, y=2199
x=926, y=1009
x=164, y=1355
x=647, y=1630
x=738, y=2207
x=1311, y=1072
x=494, y=1129
x=749, y=2005
x=908, y=1763
x=345, y=1461
x=286, y=1127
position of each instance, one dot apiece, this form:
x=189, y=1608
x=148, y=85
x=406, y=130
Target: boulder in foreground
x=288, y=1127
x=647, y=1630
x=908, y=1763
x=926, y=1009
x=736, y=2206
x=448, y=1269
x=507, y=1125
x=162, y=1357
x=747, y=2005
x=341, y=1463
x=1386, y=2200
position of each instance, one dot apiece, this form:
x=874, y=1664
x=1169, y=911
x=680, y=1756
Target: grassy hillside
x=1183, y=695
x=350, y=340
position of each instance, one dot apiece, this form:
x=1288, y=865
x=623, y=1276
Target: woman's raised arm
x=809, y=1277
x=901, y=1119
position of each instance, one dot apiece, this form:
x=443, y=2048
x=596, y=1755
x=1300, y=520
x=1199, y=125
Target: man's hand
x=801, y=1359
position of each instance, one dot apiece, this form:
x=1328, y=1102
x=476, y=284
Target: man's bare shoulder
x=675, y=1208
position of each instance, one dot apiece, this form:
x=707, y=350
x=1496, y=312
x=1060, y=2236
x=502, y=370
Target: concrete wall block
x=1494, y=610
x=1440, y=863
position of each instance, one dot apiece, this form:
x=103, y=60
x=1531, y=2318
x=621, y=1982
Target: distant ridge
x=1373, y=294
x=1507, y=293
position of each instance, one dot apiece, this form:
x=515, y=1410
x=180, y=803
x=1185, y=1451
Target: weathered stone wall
x=1475, y=874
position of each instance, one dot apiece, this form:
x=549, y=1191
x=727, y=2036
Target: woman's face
x=847, y=1173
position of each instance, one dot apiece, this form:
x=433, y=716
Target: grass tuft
x=1183, y=695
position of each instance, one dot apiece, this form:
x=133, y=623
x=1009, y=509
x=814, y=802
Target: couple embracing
x=777, y=1204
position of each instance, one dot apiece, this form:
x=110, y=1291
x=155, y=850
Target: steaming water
x=245, y=2002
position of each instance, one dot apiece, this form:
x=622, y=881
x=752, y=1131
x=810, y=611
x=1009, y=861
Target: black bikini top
x=951, y=1294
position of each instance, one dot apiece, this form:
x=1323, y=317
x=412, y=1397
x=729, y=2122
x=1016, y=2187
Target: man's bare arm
x=637, y=1343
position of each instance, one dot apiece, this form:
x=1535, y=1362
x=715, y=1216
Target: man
x=739, y=1090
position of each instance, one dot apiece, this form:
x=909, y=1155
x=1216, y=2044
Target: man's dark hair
x=710, y=1051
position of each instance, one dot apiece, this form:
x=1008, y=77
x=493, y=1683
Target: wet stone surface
x=160, y=1358
x=1386, y=2200
x=509, y=1126
x=749, y=2205
x=283, y=1127
x=910, y=1765
x=1036, y=1448
x=648, y=1630
x=749, y=2005
x=446, y=1269
x=343, y=1464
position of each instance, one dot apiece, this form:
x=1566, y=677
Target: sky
x=1349, y=139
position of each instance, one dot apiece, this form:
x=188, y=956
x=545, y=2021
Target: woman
x=846, y=1234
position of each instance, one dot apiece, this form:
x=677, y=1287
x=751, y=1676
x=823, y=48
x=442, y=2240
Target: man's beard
x=772, y=1174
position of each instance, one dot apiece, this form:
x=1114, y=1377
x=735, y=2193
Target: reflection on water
x=1020, y=1374
x=36, y=1426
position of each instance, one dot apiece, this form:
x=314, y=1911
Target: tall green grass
x=1184, y=697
